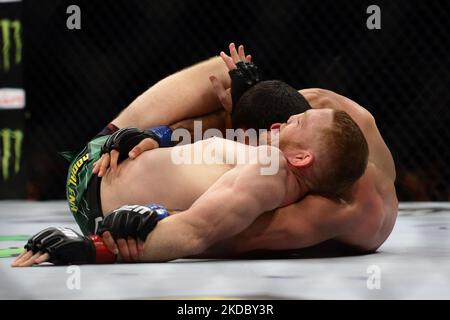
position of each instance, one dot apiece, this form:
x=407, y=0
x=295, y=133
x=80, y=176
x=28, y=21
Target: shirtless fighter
x=224, y=213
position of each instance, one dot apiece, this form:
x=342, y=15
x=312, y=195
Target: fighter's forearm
x=190, y=232
x=219, y=119
x=185, y=94
x=173, y=238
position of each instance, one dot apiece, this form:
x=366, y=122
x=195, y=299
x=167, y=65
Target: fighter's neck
x=296, y=188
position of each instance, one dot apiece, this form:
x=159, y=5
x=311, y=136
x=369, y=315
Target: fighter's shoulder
x=373, y=210
x=323, y=98
x=373, y=193
x=382, y=181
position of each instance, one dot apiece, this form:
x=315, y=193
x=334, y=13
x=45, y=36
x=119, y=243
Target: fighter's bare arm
x=379, y=153
x=310, y=221
x=228, y=207
x=182, y=95
x=186, y=94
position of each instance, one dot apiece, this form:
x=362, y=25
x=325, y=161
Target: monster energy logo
x=11, y=31
x=12, y=143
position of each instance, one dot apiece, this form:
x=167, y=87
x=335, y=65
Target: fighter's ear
x=301, y=159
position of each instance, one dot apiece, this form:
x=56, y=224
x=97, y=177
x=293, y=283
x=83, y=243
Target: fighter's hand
x=126, y=228
x=230, y=61
x=27, y=258
x=127, y=249
x=111, y=159
x=235, y=56
x=63, y=246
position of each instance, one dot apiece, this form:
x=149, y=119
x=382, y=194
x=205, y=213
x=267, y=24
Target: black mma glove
x=106, y=131
x=132, y=221
x=65, y=246
x=243, y=78
x=125, y=139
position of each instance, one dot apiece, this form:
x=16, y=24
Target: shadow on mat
x=327, y=249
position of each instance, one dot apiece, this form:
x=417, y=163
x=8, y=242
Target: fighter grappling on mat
x=334, y=176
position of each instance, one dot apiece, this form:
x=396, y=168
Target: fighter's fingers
x=140, y=248
x=233, y=53
x=100, y=161
x=109, y=242
x=144, y=145
x=104, y=165
x=228, y=61
x=24, y=252
x=123, y=249
x=114, y=158
x=25, y=255
x=218, y=87
x=43, y=258
x=221, y=92
x=249, y=58
x=29, y=262
x=96, y=166
x=23, y=258
x=132, y=248
x=241, y=53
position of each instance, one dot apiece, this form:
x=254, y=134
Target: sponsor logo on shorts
x=72, y=183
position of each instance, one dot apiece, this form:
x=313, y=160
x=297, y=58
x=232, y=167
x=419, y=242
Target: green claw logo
x=11, y=33
x=12, y=149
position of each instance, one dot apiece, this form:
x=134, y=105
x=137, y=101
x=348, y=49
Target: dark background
x=78, y=80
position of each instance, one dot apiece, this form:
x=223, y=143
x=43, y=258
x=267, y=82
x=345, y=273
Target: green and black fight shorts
x=83, y=187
